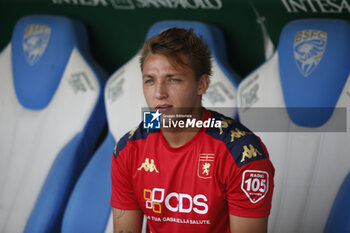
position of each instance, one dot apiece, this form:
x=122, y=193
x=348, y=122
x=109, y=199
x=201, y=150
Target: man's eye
x=175, y=80
x=148, y=81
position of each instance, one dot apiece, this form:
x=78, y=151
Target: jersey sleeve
x=123, y=196
x=249, y=181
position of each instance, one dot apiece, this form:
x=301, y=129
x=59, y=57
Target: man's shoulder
x=138, y=133
x=230, y=129
x=241, y=142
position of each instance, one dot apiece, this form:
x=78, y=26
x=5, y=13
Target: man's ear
x=203, y=84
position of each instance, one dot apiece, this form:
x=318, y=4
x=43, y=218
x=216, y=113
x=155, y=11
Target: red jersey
x=195, y=187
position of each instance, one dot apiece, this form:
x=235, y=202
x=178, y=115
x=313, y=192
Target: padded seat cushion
x=51, y=115
x=314, y=67
x=310, y=157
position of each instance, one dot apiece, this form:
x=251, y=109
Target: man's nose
x=161, y=90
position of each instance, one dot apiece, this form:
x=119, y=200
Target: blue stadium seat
x=52, y=114
x=298, y=103
x=339, y=217
x=88, y=209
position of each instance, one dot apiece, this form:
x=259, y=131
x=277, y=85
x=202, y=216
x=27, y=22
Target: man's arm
x=127, y=221
x=247, y=225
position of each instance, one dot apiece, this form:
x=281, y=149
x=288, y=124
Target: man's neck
x=179, y=137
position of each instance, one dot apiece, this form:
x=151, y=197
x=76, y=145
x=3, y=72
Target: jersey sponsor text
x=175, y=201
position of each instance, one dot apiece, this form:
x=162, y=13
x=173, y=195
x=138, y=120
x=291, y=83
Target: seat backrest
x=52, y=113
x=339, y=217
x=124, y=102
x=298, y=101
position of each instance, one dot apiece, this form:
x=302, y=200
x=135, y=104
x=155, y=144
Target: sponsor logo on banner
x=133, y=4
x=175, y=202
x=205, y=166
x=309, y=47
x=317, y=6
x=35, y=40
x=255, y=184
x=123, y=4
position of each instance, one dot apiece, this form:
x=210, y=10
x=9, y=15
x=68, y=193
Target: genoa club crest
x=205, y=166
x=35, y=40
x=309, y=47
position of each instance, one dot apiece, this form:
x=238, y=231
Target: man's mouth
x=163, y=107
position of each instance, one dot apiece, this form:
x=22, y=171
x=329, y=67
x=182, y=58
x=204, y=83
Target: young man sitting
x=188, y=179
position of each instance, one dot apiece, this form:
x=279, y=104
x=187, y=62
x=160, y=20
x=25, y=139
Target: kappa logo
x=309, y=47
x=237, y=134
x=224, y=124
x=148, y=166
x=205, y=166
x=132, y=132
x=115, y=150
x=35, y=40
x=249, y=152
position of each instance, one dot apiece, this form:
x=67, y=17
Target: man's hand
x=127, y=221
x=248, y=225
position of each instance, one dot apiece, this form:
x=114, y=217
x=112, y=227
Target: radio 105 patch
x=255, y=184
